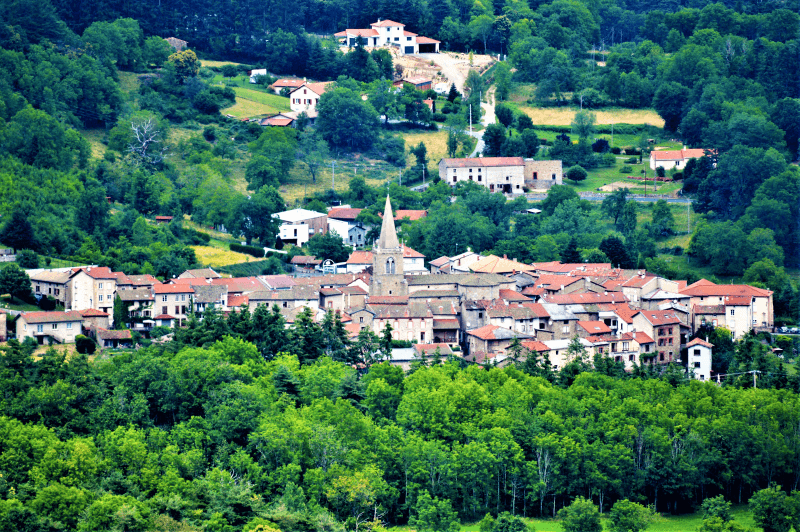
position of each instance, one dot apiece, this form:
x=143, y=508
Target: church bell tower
x=387, y=260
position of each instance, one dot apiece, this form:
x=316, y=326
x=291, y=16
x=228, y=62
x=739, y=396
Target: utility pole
x=688, y=220
x=333, y=175
x=470, y=119
x=423, y=174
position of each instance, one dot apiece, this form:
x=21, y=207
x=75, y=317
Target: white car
x=442, y=88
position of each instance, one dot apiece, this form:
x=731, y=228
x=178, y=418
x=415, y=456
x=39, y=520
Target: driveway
x=451, y=68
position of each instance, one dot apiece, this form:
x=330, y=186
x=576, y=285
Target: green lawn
x=8, y=302
x=665, y=523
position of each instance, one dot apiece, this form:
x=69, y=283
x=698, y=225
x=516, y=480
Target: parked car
x=783, y=329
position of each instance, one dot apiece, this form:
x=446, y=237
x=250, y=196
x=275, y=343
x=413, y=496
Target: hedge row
x=250, y=250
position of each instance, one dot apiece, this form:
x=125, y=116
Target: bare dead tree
x=148, y=146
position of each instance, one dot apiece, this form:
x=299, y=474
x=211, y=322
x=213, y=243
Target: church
x=388, y=278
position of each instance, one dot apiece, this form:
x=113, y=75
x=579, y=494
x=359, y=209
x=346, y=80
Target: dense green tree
x=345, y=120
x=580, y=516
x=576, y=173
x=627, y=516
x=14, y=281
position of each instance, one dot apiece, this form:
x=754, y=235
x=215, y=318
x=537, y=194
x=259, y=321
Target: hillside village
x=484, y=309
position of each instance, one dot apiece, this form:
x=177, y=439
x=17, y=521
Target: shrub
x=255, y=251
x=677, y=176
x=27, y=258
x=85, y=345
x=660, y=172
x=439, y=117
x=600, y=146
x=625, y=170
x=47, y=303
x=576, y=173
x=615, y=150
x=632, y=160
x=629, y=150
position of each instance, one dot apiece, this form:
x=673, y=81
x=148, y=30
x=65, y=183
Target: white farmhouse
x=390, y=33
x=306, y=97
x=699, y=352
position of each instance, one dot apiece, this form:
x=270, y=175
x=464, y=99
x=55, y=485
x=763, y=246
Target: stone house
x=498, y=174
x=666, y=330
x=51, y=283
x=91, y=287
x=747, y=307
x=541, y=175
x=49, y=327
x=490, y=342
x=139, y=303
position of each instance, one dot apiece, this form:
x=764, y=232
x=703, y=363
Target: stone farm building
x=510, y=175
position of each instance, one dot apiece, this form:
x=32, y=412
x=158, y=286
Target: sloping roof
x=411, y=310
x=660, y=317
x=463, y=279
x=467, y=162
x=446, y=323
x=698, y=341
x=707, y=288
x=675, y=155
x=51, y=317
x=441, y=261
x=411, y=253
x=209, y=294
x=433, y=294
x=142, y=280
x=360, y=257
x=558, y=267
x=93, y=313
x=622, y=310
x=643, y=338
x=240, y=284
x=388, y=238
x=332, y=279
x=411, y=214
x=417, y=80
x=236, y=301
x=538, y=309
x=512, y=295
x=103, y=334
x=287, y=82
x=202, y=273
x=594, y=327
x=409, y=34
x=388, y=300
x=277, y=282
x=495, y=264
x=428, y=349
x=297, y=215
x=305, y=259
x=516, y=311
x=535, y=345
x=385, y=23
x=48, y=276
x=427, y=40
x=97, y=272
x=164, y=317
x=358, y=32
x=137, y=294
x=495, y=332
x=340, y=213
x=173, y=289
x=552, y=281
x=276, y=121
x=708, y=309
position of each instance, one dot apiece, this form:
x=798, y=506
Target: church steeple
x=388, y=238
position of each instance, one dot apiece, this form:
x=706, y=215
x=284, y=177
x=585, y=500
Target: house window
x=361, y=319
x=100, y=286
x=177, y=309
x=69, y=325
x=164, y=309
x=697, y=352
x=100, y=297
x=285, y=304
x=479, y=178
x=565, y=330
x=480, y=315
x=390, y=266
x=408, y=38
x=732, y=312
x=37, y=287
x=554, y=176
x=631, y=358
x=396, y=39
x=455, y=179
x=183, y=297
x=624, y=346
x=40, y=328
x=661, y=356
x=163, y=298
x=470, y=170
x=697, y=364
x=55, y=326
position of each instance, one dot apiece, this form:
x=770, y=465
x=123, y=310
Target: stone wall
x=539, y=175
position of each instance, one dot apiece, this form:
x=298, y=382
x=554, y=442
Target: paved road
x=601, y=197
x=487, y=118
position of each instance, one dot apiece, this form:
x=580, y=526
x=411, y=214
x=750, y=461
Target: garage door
x=409, y=50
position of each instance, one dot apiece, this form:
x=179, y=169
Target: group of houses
x=469, y=305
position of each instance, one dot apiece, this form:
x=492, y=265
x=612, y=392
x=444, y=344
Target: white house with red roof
x=746, y=307
x=49, y=327
x=304, y=99
x=173, y=302
x=389, y=33
x=668, y=159
x=699, y=352
x=91, y=287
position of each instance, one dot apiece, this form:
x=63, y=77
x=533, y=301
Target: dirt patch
x=617, y=185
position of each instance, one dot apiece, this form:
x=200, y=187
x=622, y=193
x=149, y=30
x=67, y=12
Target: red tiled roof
x=385, y=23
x=52, y=317
x=340, y=213
x=287, y=82
x=707, y=288
x=93, y=313
x=411, y=253
x=429, y=349
x=698, y=341
x=417, y=80
x=305, y=259
x=176, y=288
x=708, y=309
x=467, y=162
x=164, y=317
x=360, y=257
x=409, y=34
x=317, y=88
x=660, y=317
x=358, y=32
x=103, y=334
x=277, y=121
x=427, y=40
x=446, y=324
x=638, y=281
x=236, y=301
x=495, y=264
x=512, y=295
x=190, y=281
x=163, y=218
x=595, y=327
x=538, y=309
x=535, y=345
x=556, y=281
x=557, y=267
x=240, y=284
x=674, y=155
x=622, y=310
x=411, y=214
x=643, y=338
x=487, y=332
x=97, y=272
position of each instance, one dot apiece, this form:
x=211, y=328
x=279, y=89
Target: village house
x=202, y=273
x=417, y=82
x=458, y=264
x=52, y=283
x=541, y=175
x=172, y=303
x=500, y=265
x=299, y=225
x=304, y=263
x=49, y=327
x=699, y=359
x=354, y=234
x=255, y=73
x=91, y=287
x=286, y=83
x=490, y=344
x=139, y=304
x=746, y=307
x=304, y=99
x=666, y=330
x=277, y=120
x=389, y=33
x=114, y=339
x=669, y=159
x=94, y=319
x=412, y=322
x=498, y=174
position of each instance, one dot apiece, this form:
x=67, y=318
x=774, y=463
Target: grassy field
x=6, y=301
x=435, y=142
x=299, y=185
x=95, y=138
x=217, y=256
x=251, y=103
x=665, y=523
x=208, y=63
x=563, y=116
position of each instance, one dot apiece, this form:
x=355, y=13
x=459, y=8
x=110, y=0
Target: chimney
x=504, y=256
